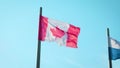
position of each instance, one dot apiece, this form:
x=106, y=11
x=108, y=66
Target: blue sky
x=19, y=31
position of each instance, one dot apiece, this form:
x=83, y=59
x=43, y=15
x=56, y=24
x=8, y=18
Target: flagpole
x=109, y=50
x=39, y=42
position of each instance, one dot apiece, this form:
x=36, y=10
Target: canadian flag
x=60, y=32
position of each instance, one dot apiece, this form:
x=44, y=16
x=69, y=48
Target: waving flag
x=115, y=49
x=60, y=32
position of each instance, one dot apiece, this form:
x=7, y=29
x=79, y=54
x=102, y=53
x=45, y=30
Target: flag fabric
x=60, y=32
x=115, y=49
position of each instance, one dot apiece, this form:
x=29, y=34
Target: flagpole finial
x=108, y=32
x=40, y=8
x=107, y=29
x=40, y=11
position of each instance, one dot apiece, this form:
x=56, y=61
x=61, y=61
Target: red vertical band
x=43, y=23
x=72, y=36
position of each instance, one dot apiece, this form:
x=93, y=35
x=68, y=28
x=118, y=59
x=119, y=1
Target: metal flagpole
x=39, y=42
x=109, y=50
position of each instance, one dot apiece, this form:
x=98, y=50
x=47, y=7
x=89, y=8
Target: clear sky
x=19, y=32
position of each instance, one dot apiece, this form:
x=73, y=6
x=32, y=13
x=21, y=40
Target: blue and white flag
x=115, y=49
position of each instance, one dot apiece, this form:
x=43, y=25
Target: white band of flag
x=114, y=43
